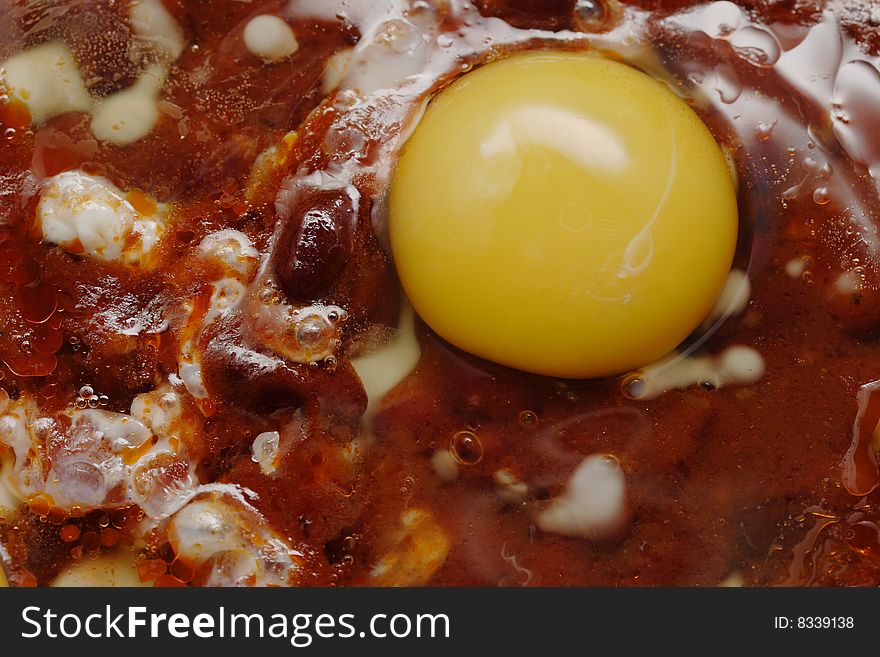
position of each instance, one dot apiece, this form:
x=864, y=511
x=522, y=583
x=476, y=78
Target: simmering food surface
x=211, y=375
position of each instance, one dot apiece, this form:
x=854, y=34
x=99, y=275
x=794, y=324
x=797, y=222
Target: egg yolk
x=563, y=214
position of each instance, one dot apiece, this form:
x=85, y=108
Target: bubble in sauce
x=69, y=533
x=467, y=448
x=528, y=418
x=763, y=131
x=634, y=387
x=312, y=332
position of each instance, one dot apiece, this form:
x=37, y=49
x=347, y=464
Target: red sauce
x=741, y=480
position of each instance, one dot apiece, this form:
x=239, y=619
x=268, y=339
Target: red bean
x=315, y=244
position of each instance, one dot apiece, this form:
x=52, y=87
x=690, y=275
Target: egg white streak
x=131, y=114
x=383, y=369
x=736, y=365
x=335, y=70
x=593, y=503
x=732, y=301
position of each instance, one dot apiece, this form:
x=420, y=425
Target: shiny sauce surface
x=442, y=480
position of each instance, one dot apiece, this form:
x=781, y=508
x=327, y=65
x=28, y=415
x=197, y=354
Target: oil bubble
x=634, y=387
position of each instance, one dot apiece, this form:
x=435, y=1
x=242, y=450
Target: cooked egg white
x=222, y=530
x=45, y=78
x=89, y=215
x=265, y=451
x=389, y=364
x=237, y=258
x=157, y=28
x=103, y=458
x=114, y=569
x=233, y=250
x=593, y=503
x=130, y=115
x=270, y=38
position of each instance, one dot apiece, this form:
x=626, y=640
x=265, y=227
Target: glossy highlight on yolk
x=563, y=214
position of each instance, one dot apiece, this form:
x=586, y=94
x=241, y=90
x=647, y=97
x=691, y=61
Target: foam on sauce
x=102, y=459
x=217, y=530
x=89, y=215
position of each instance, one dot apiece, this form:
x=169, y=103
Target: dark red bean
x=315, y=244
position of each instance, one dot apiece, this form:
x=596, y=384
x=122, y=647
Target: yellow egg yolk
x=563, y=214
